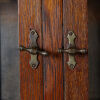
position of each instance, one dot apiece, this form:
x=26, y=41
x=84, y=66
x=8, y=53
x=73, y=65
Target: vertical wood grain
x=58, y=17
x=52, y=40
x=31, y=81
x=75, y=19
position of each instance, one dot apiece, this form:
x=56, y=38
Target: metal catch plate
x=72, y=50
x=33, y=44
x=71, y=38
x=33, y=49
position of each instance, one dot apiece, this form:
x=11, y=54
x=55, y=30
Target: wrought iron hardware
x=33, y=49
x=72, y=50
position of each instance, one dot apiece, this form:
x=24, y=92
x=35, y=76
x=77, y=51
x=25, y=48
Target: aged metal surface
x=33, y=49
x=72, y=49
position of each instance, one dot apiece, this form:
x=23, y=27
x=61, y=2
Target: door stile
x=75, y=19
x=52, y=40
x=31, y=80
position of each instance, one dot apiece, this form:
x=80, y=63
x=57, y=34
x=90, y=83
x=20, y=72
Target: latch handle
x=33, y=49
x=72, y=50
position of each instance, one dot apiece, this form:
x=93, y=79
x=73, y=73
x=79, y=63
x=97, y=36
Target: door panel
x=31, y=81
x=75, y=19
x=52, y=40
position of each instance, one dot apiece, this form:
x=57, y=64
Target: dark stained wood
x=52, y=40
x=31, y=81
x=75, y=19
x=53, y=80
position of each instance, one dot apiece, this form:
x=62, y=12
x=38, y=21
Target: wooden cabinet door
x=53, y=79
